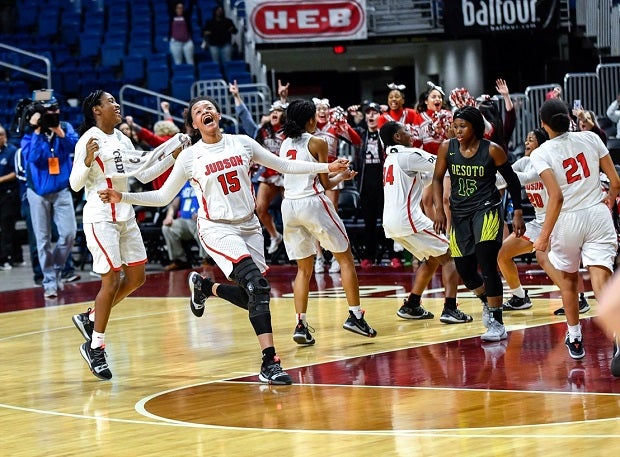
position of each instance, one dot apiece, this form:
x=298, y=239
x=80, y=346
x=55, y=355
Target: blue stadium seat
x=157, y=78
x=112, y=54
x=27, y=15
x=90, y=43
x=133, y=69
x=207, y=70
x=242, y=77
x=181, y=87
x=183, y=70
x=48, y=22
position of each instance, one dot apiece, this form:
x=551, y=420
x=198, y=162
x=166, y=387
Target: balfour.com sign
x=283, y=21
x=483, y=16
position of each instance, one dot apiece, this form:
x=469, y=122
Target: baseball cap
x=372, y=106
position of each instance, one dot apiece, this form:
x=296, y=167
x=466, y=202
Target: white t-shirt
x=574, y=158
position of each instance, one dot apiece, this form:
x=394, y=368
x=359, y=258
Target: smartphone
x=577, y=104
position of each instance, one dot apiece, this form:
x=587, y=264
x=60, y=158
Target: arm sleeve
x=248, y=124
x=168, y=191
x=512, y=183
x=263, y=157
x=79, y=172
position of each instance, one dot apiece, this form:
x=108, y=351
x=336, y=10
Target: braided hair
x=298, y=113
x=93, y=99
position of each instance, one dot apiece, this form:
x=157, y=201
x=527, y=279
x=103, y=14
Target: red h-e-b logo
x=310, y=19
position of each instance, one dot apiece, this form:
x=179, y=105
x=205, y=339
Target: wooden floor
x=186, y=386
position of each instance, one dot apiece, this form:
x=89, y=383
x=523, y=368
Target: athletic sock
x=357, y=310
x=97, y=340
x=519, y=292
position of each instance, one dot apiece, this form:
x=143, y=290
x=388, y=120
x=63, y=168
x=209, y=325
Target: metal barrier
x=586, y=88
x=609, y=79
x=47, y=76
x=257, y=97
x=134, y=97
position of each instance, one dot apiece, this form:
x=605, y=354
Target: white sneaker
x=486, y=315
x=319, y=265
x=6, y=267
x=495, y=331
x=334, y=267
x=274, y=244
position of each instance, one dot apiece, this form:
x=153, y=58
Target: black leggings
x=485, y=258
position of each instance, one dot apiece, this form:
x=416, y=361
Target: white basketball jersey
x=406, y=172
x=574, y=159
x=299, y=186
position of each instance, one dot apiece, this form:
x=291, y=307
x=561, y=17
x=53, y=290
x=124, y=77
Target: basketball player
x=308, y=215
x=477, y=216
x=104, y=157
x=569, y=165
x=406, y=173
x=218, y=166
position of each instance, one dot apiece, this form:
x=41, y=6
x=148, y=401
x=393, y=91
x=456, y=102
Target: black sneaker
x=407, y=312
x=454, y=316
x=359, y=326
x=575, y=348
x=301, y=335
x=273, y=373
x=70, y=277
x=615, y=359
x=84, y=324
x=584, y=307
x=95, y=358
x=197, y=286
x=517, y=303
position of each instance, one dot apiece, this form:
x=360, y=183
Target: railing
x=601, y=20
x=18, y=53
x=131, y=96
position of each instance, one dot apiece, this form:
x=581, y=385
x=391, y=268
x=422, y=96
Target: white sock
x=300, y=317
x=519, y=292
x=574, y=331
x=91, y=316
x=98, y=340
x=357, y=310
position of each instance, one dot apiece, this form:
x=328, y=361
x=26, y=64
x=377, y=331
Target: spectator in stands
x=180, y=33
x=586, y=121
x=217, y=33
x=10, y=248
x=309, y=215
x=179, y=225
x=332, y=126
x=613, y=113
x=47, y=155
x=368, y=163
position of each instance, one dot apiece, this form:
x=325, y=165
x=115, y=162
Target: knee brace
x=467, y=268
x=248, y=276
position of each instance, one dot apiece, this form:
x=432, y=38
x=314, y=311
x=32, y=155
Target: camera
x=42, y=102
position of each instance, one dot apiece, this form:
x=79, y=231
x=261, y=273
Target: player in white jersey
x=569, y=165
x=105, y=157
x=218, y=166
x=308, y=215
x=407, y=172
x=513, y=247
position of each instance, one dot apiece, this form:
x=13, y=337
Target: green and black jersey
x=473, y=180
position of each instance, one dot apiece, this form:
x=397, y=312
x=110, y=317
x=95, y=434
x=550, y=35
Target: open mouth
x=207, y=119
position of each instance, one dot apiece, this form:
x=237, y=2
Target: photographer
x=47, y=157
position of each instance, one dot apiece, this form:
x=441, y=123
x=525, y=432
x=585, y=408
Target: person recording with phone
x=47, y=154
x=586, y=121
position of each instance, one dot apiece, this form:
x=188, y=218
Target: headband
x=437, y=88
x=320, y=101
x=394, y=86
